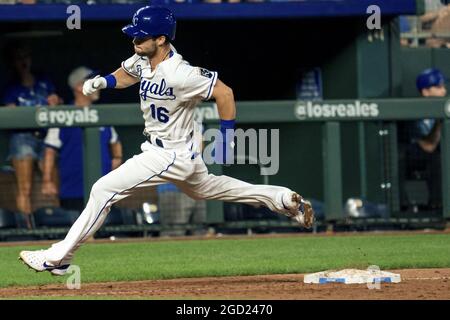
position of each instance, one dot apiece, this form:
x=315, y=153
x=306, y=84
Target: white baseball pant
x=156, y=165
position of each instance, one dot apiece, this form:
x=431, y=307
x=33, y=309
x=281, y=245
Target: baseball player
x=169, y=90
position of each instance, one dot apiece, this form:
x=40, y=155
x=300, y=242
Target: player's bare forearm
x=124, y=80
x=225, y=101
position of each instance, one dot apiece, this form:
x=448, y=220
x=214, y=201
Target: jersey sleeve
x=114, y=136
x=52, y=138
x=199, y=83
x=129, y=66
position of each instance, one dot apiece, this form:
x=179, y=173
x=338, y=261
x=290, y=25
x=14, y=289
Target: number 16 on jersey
x=159, y=113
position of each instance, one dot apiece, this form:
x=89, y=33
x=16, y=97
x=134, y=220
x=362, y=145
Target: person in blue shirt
x=67, y=144
x=423, y=138
x=27, y=90
x=426, y=133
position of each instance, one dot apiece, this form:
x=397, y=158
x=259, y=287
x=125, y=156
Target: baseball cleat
x=300, y=210
x=36, y=260
x=306, y=212
x=59, y=271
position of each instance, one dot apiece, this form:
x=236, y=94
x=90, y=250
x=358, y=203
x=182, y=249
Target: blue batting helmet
x=430, y=78
x=152, y=21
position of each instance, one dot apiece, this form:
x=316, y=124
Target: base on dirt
x=353, y=276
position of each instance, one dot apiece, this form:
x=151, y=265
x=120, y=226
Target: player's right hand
x=92, y=85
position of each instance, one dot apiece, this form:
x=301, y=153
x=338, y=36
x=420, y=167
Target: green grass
x=199, y=258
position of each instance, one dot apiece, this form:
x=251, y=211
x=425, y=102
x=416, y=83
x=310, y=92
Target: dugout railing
x=331, y=116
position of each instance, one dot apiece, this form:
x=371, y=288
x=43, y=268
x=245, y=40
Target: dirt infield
x=416, y=284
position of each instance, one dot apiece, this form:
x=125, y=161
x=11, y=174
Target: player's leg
x=201, y=185
x=145, y=169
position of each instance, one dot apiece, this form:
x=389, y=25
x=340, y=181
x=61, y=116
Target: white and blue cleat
x=299, y=210
x=36, y=260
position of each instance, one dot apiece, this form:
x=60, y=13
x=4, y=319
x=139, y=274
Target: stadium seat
x=416, y=192
x=129, y=216
x=259, y=213
x=54, y=217
x=114, y=217
x=319, y=209
x=13, y=220
x=359, y=208
x=233, y=211
x=7, y=219
x=119, y=219
x=21, y=222
x=148, y=217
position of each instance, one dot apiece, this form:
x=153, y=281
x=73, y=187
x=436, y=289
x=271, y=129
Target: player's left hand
x=92, y=85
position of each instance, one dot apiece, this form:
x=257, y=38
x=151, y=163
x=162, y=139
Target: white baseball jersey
x=170, y=93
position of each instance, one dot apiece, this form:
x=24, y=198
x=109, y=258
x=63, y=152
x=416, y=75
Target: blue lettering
x=154, y=88
x=162, y=87
x=144, y=89
x=156, y=91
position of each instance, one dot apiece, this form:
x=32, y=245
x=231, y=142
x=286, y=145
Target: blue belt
x=158, y=141
x=148, y=136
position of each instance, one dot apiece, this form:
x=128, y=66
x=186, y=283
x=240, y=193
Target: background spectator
x=28, y=89
x=68, y=142
x=427, y=134
x=437, y=21
x=432, y=8
x=423, y=138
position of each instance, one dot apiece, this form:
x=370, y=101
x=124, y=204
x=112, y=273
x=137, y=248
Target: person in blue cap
x=423, y=138
x=427, y=132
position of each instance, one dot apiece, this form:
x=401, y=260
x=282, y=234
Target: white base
x=352, y=276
